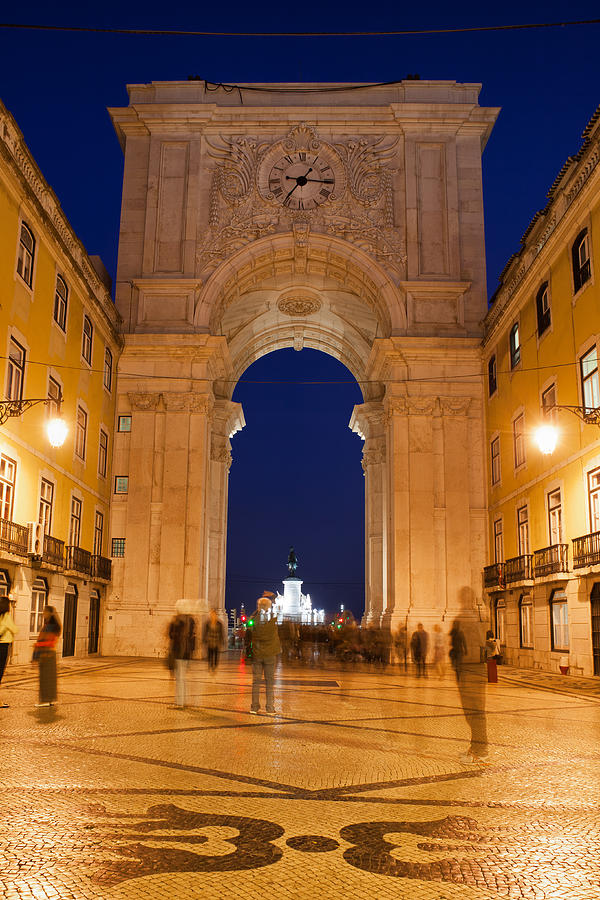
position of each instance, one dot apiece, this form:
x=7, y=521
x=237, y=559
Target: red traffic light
x=242, y=618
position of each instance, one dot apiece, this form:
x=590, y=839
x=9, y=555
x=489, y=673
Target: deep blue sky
x=58, y=87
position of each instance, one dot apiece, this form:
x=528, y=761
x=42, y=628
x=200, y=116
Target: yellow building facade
x=541, y=351
x=60, y=342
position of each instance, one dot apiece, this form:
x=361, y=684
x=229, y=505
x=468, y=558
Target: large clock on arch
x=301, y=179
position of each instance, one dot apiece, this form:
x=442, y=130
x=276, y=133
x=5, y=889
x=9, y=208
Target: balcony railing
x=78, y=560
x=551, y=560
x=54, y=551
x=493, y=576
x=519, y=568
x=101, y=567
x=586, y=550
x=13, y=537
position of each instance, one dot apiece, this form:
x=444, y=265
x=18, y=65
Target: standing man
x=418, y=645
x=213, y=638
x=182, y=643
x=265, y=648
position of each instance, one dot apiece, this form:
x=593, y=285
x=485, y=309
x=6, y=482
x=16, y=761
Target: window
x=515, y=346
x=495, y=447
x=549, y=403
x=16, y=371
x=594, y=499
x=54, y=396
x=590, y=387
x=80, y=432
x=526, y=620
x=542, y=302
x=519, y=440
x=75, y=523
x=102, y=453
x=108, y=369
x=98, y=533
x=559, y=620
x=26, y=254
x=46, y=503
x=492, y=383
x=121, y=484
x=39, y=599
x=118, y=547
x=523, y=530
x=87, y=339
x=60, y=303
x=501, y=620
x=581, y=260
x=498, y=542
x=555, y=517
x=8, y=472
x=124, y=423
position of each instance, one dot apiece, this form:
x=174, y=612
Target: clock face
x=301, y=179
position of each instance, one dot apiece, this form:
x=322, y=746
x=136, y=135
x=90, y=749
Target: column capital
x=188, y=401
x=368, y=419
x=144, y=401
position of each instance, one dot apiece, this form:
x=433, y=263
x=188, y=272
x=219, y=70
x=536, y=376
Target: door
x=94, y=622
x=595, y=601
x=70, y=621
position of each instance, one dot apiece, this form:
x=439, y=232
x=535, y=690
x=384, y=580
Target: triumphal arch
x=348, y=219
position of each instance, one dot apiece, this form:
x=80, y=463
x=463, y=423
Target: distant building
x=60, y=340
x=541, y=349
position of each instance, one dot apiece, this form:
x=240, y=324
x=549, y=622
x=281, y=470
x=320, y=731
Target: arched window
x=39, y=599
x=542, y=303
x=559, y=620
x=515, y=346
x=526, y=620
x=501, y=620
x=108, y=369
x=61, y=295
x=87, y=338
x=580, y=253
x=26, y=254
x=4, y=583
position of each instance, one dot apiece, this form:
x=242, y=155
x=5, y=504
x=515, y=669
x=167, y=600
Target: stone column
x=228, y=418
x=368, y=421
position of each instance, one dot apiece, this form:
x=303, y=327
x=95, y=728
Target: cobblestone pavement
x=358, y=788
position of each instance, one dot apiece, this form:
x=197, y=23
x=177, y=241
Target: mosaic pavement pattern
x=356, y=788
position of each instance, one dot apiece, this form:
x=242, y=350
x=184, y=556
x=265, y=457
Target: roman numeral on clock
x=324, y=193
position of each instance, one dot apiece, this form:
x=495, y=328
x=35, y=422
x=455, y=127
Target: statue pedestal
x=292, y=590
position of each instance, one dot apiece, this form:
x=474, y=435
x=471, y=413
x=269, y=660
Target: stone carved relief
x=144, y=402
x=455, y=406
x=427, y=406
x=361, y=213
x=220, y=450
x=373, y=457
x=298, y=303
x=188, y=402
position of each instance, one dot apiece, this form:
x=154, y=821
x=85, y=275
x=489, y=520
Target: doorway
x=595, y=604
x=94, y=622
x=70, y=621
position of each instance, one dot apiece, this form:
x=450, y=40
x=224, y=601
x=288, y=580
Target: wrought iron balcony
x=493, y=576
x=586, y=550
x=78, y=560
x=101, y=567
x=519, y=568
x=54, y=551
x=13, y=537
x=551, y=560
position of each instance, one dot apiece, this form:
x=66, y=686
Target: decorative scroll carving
x=373, y=457
x=188, y=402
x=220, y=450
x=144, y=402
x=361, y=212
x=298, y=303
x=455, y=406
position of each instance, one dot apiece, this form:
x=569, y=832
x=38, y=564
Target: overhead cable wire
x=405, y=32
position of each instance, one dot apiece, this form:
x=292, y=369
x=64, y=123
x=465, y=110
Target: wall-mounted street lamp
x=546, y=436
x=56, y=427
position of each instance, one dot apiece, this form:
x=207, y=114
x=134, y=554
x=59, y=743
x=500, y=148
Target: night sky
x=296, y=477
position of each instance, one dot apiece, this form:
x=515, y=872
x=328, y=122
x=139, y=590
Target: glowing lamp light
x=57, y=431
x=546, y=437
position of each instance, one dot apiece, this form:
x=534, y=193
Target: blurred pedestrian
x=492, y=654
x=439, y=650
x=182, y=643
x=419, y=644
x=213, y=639
x=400, y=644
x=472, y=689
x=44, y=652
x=458, y=648
x=265, y=649
x=8, y=629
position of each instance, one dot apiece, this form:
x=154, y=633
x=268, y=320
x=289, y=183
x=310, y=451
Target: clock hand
x=312, y=180
x=287, y=196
